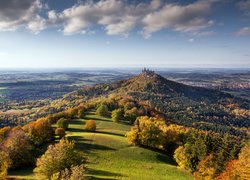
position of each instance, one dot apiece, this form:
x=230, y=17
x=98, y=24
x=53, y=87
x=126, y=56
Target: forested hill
x=186, y=105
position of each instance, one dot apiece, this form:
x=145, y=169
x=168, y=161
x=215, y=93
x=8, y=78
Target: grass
x=111, y=157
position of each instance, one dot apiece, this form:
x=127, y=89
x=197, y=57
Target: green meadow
x=109, y=156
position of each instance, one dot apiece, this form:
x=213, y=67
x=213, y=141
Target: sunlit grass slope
x=110, y=156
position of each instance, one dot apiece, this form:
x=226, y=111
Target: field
x=110, y=156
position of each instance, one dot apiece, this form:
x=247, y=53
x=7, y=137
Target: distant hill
x=186, y=105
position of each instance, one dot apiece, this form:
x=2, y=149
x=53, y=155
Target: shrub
x=117, y=115
x=90, y=125
x=63, y=123
x=102, y=110
x=57, y=158
x=60, y=132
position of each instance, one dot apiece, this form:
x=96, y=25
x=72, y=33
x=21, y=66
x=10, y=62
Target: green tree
x=63, y=123
x=102, y=110
x=117, y=115
x=57, y=158
x=195, y=150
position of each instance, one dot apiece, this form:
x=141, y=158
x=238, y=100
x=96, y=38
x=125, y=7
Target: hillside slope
x=186, y=105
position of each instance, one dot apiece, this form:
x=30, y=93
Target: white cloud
x=119, y=18
x=116, y=17
x=36, y=25
x=244, y=32
x=123, y=27
x=192, y=17
x=14, y=14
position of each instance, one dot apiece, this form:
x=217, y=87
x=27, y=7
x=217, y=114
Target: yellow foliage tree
x=57, y=158
x=180, y=157
x=206, y=170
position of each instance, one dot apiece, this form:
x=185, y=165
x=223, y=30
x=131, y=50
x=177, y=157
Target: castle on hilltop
x=147, y=71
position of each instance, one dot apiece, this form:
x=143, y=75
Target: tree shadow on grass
x=97, y=119
x=88, y=147
x=166, y=159
x=75, y=130
x=109, y=133
x=78, y=139
x=104, y=173
x=125, y=122
x=76, y=121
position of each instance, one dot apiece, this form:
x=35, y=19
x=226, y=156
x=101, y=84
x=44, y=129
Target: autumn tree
x=147, y=132
x=4, y=132
x=39, y=131
x=180, y=157
x=74, y=173
x=71, y=113
x=175, y=136
x=18, y=148
x=57, y=158
x=206, y=169
x=117, y=115
x=239, y=168
x=5, y=162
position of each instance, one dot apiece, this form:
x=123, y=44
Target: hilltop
x=185, y=105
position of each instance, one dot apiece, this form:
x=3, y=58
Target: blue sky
x=116, y=33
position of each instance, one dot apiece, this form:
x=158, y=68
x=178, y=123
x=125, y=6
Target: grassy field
x=110, y=156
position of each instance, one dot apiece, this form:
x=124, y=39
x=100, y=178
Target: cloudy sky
x=124, y=33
